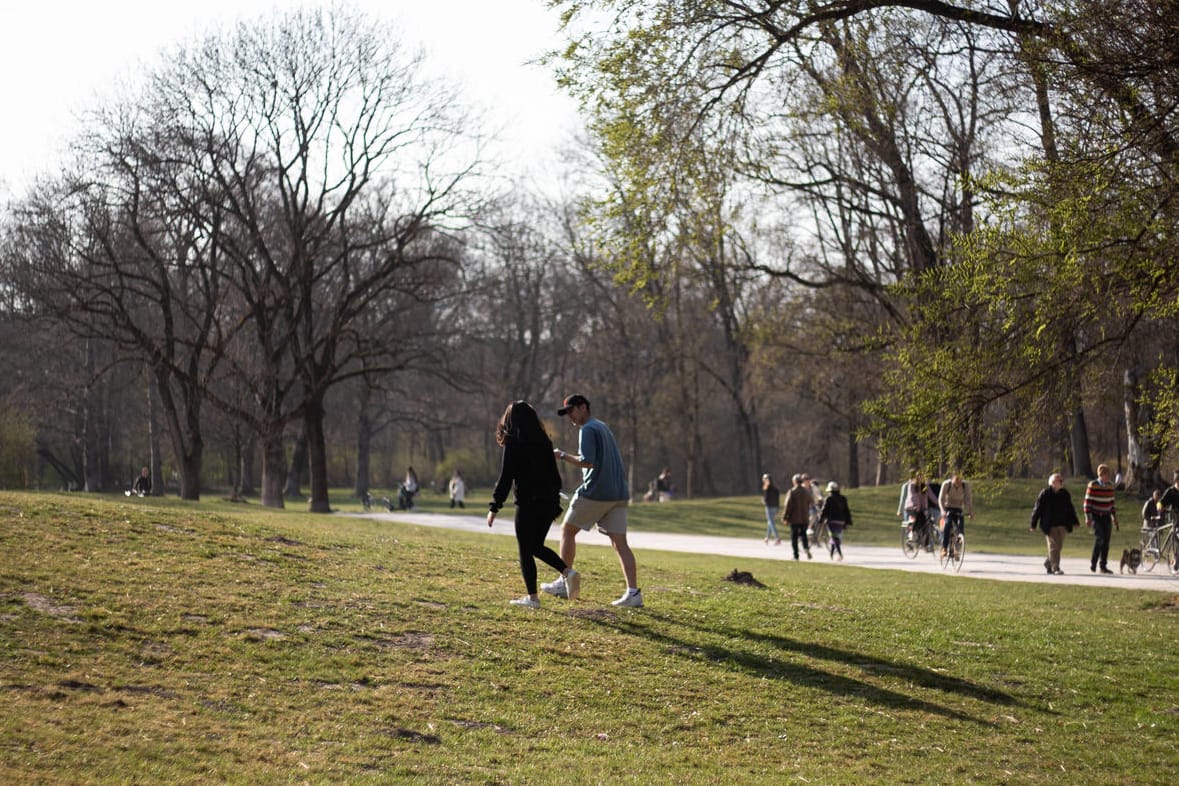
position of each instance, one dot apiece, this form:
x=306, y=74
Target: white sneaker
x=810, y=532
x=629, y=598
x=572, y=584
x=525, y=601
x=557, y=587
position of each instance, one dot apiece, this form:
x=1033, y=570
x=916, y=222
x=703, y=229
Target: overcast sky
x=59, y=57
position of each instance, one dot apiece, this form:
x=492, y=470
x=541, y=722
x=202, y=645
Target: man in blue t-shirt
x=601, y=500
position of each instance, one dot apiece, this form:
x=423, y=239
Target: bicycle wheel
x=909, y=544
x=933, y=539
x=1167, y=551
x=1148, y=544
x=820, y=536
x=958, y=551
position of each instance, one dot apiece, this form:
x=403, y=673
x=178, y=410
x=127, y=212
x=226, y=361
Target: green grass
x=156, y=641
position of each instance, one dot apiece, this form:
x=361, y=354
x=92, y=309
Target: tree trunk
x=364, y=446
x=853, y=459
x=156, y=455
x=316, y=450
x=1079, y=439
x=90, y=475
x=274, y=467
x=298, y=464
x=1142, y=473
x=246, y=467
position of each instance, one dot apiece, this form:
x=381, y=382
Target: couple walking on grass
x=530, y=464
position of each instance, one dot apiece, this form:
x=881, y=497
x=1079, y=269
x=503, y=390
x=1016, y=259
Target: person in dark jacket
x=142, y=485
x=797, y=514
x=1055, y=515
x=837, y=516
x=529, y=464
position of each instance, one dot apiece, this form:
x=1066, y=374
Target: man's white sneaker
x=572, y=584
x=630, y=598
x=531, y=603
x=557, y=587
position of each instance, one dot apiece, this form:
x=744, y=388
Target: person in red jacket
x=1100, y=515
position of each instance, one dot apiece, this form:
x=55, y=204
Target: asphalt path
x=976, y=565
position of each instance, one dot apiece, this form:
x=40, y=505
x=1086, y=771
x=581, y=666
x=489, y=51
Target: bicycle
x=956, y=549
x=816, y=531
x=367, y=502
x=1159, y=543
x=918, y=533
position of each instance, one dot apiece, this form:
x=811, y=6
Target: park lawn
x=158, y=641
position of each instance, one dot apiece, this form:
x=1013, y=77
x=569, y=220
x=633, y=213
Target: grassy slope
x=158, y=641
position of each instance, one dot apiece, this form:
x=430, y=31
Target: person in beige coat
x=954, y=502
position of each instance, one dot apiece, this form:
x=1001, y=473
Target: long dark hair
x=520, y=423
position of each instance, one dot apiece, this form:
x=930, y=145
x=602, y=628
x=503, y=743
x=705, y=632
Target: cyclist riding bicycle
x=916, y=498
x=1170, y=498
x=953, y=501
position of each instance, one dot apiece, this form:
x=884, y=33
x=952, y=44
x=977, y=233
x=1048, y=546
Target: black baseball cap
x=570, y=402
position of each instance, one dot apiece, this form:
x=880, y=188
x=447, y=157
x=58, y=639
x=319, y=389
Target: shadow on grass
x=820, y=679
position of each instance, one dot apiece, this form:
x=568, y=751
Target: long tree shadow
x=809, y=676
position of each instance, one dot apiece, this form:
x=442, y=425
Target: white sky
x=58, y=58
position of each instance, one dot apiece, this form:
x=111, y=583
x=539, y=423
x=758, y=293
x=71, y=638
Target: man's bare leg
x=568, y=549
x=626, y=558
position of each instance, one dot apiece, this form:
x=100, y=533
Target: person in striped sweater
x=1101, y=517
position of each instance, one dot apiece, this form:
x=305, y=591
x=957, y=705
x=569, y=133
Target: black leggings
x=798, y=532
x=532, y=525
x=1102, y=529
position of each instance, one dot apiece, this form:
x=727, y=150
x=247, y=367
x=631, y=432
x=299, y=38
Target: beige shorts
x=609, y=515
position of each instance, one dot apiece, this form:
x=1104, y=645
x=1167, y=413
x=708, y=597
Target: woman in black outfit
x=528, y=461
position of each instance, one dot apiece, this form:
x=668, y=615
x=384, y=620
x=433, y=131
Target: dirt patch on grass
x=412, y=641
x=592, y=614
x=285, y=541
x=415, y=736
x=1170, y=604
x=38, y=602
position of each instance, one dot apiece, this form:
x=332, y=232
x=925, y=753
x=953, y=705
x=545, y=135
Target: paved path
x=979, y=565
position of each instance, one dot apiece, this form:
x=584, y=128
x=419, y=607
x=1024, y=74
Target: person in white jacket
x=458, y=488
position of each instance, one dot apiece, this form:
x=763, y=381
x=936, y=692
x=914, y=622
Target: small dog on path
x=1131, y=558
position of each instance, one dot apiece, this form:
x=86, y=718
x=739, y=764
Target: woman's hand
x=490, y=517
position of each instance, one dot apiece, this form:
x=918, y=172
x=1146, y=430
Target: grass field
x=157, y=641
